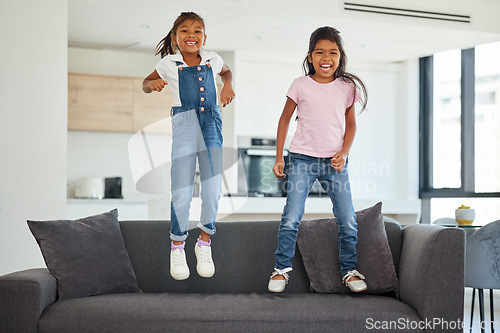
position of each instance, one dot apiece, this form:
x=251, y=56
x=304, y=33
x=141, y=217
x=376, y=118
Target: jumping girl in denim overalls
x=196, y=133
x=325, y=131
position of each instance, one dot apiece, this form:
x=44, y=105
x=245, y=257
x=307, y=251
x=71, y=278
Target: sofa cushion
x=318, y=243
x=130, y=313
x=87, y=256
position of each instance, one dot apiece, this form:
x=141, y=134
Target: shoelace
x=282, y=272
x=350, y=274
x=205, y=254
x=177, y=258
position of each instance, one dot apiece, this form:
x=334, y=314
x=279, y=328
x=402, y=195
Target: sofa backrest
x=243, y=253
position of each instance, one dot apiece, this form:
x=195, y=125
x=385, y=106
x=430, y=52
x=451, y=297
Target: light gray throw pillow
x=87, y=256
x=318, y=244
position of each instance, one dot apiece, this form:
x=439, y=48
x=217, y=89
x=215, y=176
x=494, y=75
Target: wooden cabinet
x=115, y=104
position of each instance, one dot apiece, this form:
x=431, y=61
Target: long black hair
x=165, y=46
x=333, y=35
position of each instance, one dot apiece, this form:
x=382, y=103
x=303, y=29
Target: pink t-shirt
x=321, y=110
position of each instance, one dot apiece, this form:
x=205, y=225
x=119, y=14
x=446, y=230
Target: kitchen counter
x=128, y=208
x=235, y=208
x=270, y=208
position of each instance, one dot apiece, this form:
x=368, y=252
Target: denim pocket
x=179, y=119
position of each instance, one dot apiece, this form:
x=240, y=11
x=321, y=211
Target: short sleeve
x=293, y=92
x=217, y=62
x=357, y=96
x=162, y=68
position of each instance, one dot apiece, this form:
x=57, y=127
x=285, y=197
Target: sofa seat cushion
x=225, y=313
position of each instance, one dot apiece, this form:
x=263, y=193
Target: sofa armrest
x=24, y=296
x=431, y=272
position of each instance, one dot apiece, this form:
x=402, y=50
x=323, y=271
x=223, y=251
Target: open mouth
x=326, y=68
x=191, y=43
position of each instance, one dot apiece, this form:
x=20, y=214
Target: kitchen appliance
x=89, y=188
x=113, y=188
x=255, y=173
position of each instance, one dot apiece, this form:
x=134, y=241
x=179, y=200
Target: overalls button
x=200, y=79
x=202, y=89
x=208, y=65
x=202, y=99
x=199, y=68
x=202, y=109
x=180, y=68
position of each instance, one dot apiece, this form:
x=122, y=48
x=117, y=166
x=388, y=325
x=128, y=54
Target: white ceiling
x=283, y=27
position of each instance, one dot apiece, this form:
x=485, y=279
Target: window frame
x=467, y=135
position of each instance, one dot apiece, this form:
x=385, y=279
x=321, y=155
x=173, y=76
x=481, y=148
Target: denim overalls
x=196, y=133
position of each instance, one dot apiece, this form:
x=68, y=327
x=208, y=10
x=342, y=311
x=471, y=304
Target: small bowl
x=465, y=216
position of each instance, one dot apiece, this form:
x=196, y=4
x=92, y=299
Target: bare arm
x=283, y=124
x=227, y=92
x=339, y=159
x=153, y=83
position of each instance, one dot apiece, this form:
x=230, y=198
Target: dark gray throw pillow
x=87, y=256
x=318, y=244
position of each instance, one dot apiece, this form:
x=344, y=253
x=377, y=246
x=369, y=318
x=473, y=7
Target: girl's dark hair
x=333, y=35
x=165, y=46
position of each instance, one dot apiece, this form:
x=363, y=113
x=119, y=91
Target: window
x=460, y=133
x=446, y=120
x=487, y=119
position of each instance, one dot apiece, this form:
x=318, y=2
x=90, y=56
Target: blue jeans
x=303, y=171
x=196, y=135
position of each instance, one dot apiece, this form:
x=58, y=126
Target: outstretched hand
x=157, y=85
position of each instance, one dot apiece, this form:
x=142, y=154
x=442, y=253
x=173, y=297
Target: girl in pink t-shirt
x=325, y=100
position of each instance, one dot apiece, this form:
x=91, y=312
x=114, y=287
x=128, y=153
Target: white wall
x=263, y=80
x=375, y=161
x=33, y=121
x=111, y=62
x=100, y=154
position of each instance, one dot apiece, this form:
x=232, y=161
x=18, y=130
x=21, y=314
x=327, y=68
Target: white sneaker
x=277, y=286
x=178, y=265
x=205, y=265
x=355, y=285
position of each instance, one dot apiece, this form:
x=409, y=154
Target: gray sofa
x=429, y=261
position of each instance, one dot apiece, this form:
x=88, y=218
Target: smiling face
x=189, y=36
x=325, y=59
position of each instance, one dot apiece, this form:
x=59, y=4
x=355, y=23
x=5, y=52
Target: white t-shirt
x=321, y=109
x=168, y=70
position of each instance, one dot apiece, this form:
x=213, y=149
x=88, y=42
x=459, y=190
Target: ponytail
x=165, y=47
